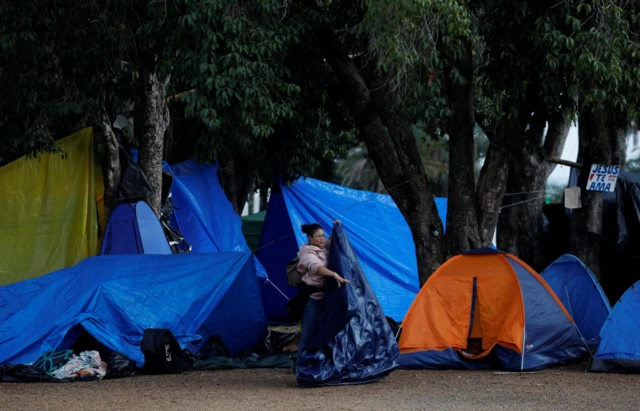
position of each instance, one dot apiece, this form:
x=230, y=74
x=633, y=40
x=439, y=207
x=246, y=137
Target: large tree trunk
x=154, y=123
x=245, y=174
x=227, y=178
x=491, y=186
x=520, y=230
x=264, y=198
x=595, y=148
x=393, y=149
x=619, y=147
x=110, y=162
x=462, y=220
x=237, y=175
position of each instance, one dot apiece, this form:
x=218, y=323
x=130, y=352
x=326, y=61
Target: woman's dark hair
x=310, y=229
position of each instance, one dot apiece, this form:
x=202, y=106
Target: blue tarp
x=115, y=298
x=580, y=293
x=203, y=214
x=619, y=348
x=376, y=228
x=354, y=343
x=133, y=228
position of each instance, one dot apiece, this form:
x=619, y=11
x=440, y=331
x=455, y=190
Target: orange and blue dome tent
x=487, y=309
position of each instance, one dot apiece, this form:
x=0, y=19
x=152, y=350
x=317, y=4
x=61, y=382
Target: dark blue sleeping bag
x=352, y=342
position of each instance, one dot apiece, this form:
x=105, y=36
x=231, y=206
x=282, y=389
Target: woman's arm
x=325, y=272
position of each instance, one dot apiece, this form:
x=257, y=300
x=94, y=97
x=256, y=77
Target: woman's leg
x=309, y=322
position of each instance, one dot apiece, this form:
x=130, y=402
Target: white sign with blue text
x=603, y=178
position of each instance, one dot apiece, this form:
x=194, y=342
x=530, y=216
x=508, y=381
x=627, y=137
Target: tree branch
x=554, y=142
x=356, y=90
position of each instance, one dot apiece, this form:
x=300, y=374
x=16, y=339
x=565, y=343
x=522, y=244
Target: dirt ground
x=557, y=388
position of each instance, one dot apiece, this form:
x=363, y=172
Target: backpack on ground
x=162, y=353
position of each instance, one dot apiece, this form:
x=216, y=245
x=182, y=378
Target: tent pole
x=524, y=342
x=274, y=286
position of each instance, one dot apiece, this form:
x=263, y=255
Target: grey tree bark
x=264, y=198
x=155, y=121
x=237, y=175
x=393, y=149
x=520, y=227
x=595, y=148
x=462, y=217
x=473, y=209
x=110, y=161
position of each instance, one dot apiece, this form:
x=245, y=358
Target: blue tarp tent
x=377, y=230
x=354, y=343
x=619, y=348
x=133, y=228
x=580, y=293
x=202, y=213
x=115, y=298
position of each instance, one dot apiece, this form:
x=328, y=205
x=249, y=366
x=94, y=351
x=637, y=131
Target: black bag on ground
x=162, y=353
x=119, y=366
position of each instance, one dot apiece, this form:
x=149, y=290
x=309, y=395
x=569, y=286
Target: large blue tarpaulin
x=377, y=230
x=202, y=213
x=352, y=342
x=115, y=298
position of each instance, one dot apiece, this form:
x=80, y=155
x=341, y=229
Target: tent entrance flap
x=474, y=348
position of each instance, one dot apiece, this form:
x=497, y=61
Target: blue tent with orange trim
x=487, y=309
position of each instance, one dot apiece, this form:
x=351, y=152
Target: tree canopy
x=275, y=89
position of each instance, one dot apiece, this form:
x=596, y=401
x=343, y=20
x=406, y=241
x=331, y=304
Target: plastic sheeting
x=134, y=229
x=48, y=210
x=278, y=246
x=115, y=298
x=354, y=343
x=577, y=288
x=619, y=348
x=378, y=231
x=202, y=213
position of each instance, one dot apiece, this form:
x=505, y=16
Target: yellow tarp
x=48, y=210
x=102, y=218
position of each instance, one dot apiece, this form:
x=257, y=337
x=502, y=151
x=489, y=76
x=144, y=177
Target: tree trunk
x=619, y=147
x=227, y=177
x=462, y=220
x=237, y=175
x=492, y=184
x=520, y=230
x=154, y=124
x=110, y=162
x=264, y=198
x=251, y=203
x=393, y=149
x=245, y=175
x=595, y=148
